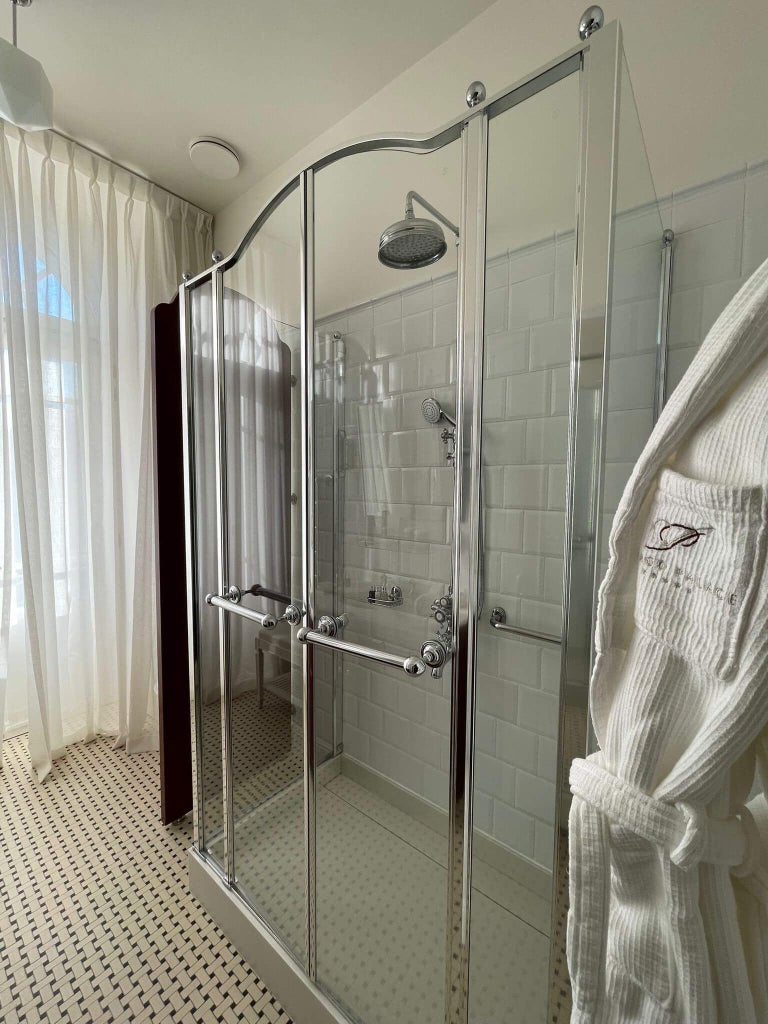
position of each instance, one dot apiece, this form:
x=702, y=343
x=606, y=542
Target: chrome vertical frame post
x=466, y=554
x=190, y=540
x=222, y=559
x=662, y=343
x=307, y=191
x=339, y=497
x=588, y=400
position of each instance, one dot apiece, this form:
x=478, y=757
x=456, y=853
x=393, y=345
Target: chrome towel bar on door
x=411, y=666
x=498, y=620
x=263, y=619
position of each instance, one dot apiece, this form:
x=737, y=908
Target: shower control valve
x=434, y=654
x=448, y=437
x=442, y=611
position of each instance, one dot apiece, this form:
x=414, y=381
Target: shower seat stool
x=278, y=643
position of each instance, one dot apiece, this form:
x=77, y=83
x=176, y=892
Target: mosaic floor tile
x=381, y=910
x=97, y=924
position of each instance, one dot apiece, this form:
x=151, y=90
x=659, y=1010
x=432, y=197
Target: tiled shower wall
x=398, y=488
x=721, y=237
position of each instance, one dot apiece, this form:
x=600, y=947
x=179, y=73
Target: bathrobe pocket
x=699, y=568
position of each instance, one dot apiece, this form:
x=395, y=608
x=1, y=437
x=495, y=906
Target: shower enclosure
x=403, y=447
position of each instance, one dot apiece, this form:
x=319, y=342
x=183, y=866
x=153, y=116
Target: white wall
x=699, y=74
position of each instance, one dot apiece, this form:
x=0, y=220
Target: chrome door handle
x=498, y=620
x=330, y=625
x=411, y=666
x=229, y=604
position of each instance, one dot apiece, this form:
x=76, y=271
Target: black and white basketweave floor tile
x=97, y=924
x=267, y=752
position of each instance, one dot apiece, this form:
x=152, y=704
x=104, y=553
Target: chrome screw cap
x=475, y=94
x=591, y=20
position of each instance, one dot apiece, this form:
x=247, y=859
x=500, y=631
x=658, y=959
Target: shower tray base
x=300, y=998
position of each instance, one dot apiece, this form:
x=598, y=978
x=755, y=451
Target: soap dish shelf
x=390, y=598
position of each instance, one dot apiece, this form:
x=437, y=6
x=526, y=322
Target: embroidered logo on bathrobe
x=696, y=575
x=670, y=535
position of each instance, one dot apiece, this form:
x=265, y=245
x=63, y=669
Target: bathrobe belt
x=686, y=835
x=685, y=830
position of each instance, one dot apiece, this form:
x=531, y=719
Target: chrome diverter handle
x=411, y=666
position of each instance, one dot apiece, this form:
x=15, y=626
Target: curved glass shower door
x=385, y=344
x=406, y=446
x=258, y=477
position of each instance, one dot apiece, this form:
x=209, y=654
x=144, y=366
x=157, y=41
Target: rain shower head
x=433, y=412
x=414, y=241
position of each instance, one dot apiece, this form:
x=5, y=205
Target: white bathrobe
x=669, y=869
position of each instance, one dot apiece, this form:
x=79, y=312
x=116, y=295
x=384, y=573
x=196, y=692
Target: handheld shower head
x=433, y=412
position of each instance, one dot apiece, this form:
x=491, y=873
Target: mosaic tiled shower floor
x=97, y=923
x=381, y=913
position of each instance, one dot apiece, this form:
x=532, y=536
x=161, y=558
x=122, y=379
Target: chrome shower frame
x=597, y=61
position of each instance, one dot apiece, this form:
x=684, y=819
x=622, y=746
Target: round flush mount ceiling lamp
x=26, y=96
x=214, y=158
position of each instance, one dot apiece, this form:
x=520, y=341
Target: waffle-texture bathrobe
x=669, y=869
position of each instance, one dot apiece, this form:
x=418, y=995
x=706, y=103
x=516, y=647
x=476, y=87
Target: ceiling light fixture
x=214, y=158
x=26, y=96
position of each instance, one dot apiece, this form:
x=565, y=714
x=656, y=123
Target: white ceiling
x=138, y=81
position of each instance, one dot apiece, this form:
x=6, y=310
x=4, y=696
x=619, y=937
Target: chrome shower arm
x=427, y=206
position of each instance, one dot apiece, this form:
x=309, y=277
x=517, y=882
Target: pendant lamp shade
x=26, y=96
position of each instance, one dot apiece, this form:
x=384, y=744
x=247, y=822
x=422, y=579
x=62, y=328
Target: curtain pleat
x=86, y=251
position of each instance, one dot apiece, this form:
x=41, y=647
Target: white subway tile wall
x=398, y=489
x=721, y=237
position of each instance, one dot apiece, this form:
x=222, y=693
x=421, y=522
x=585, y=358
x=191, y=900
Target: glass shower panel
x=633, y=325
x=210, y=781
x=385, y=342
x=261, y=313
x=531, y=207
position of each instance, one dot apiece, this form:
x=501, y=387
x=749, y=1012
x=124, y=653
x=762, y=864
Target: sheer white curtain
x=258, y=370
x=258, y=425
x=86, y=251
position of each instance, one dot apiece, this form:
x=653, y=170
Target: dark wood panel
x=172, y=653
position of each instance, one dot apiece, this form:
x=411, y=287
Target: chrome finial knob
x=217, y=255
x=591, y=20
x=293, y=615
x=414, y=667
x=475, y=94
